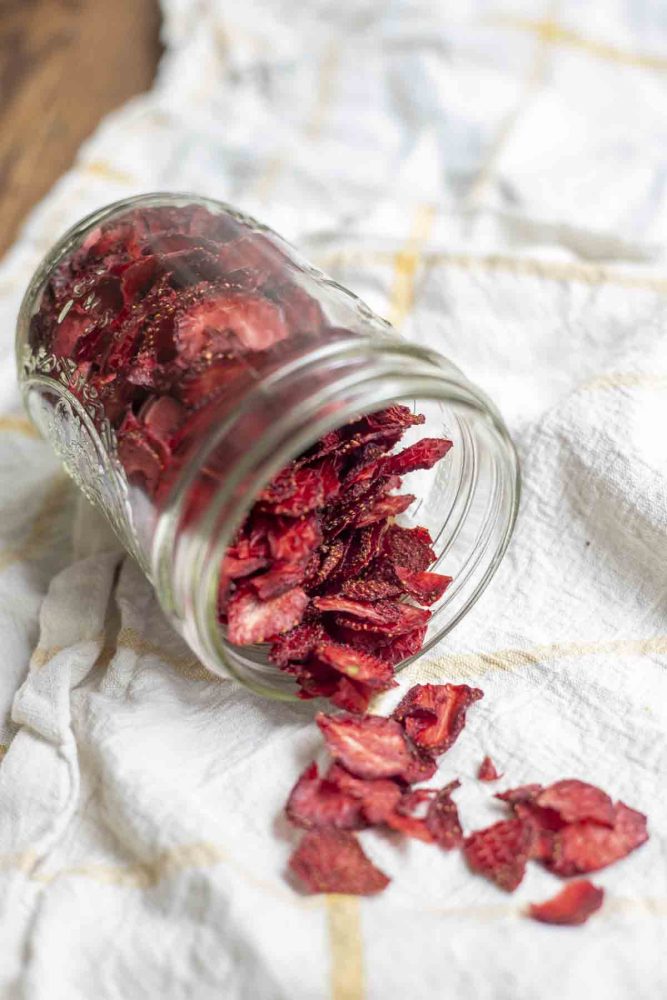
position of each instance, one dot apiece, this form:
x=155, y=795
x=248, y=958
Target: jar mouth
x=469, y=502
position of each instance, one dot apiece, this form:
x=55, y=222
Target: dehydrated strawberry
x=282, y=576
x=384, y=507
x=572, y=906
x=422, y=455
x=575, y=800
x=500, y=852
x=162, y=417
x=383, y=616
x=363, y=546
x=427, y=588
x=524, y=793
x=357, y=665
x=251, y=620
x=316, y=801
x=487, y=771
x=433, y=715
x=404, y=646
x=331, y=555
x=296, y=644
x=369, y=589
x=404, y=819
x=297, y=491
x=291, y=539
x=315, y=680
x=442, y=818
x=587, y=846
x=302, y=312
x=229, y=322
x=329, y=860
x=377, y=798
x=371, y=747
x=408, y=547
x=352, y=696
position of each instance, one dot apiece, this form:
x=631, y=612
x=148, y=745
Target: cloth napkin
x=491, y=176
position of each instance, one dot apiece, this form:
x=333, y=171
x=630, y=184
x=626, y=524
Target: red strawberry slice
x=433, y=715
x=500, y=852
x=329, y=860
x=252, y=620
x=572, y=906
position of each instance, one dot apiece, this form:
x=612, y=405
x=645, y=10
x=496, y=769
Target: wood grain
x=63, y=65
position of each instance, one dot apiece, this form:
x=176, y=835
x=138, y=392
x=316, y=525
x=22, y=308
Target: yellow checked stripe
x=531, y=267
x=552, y=33
x=18, y=424
x=476, y=664
x=43, y=526
x=406, y=262
x=347, y=958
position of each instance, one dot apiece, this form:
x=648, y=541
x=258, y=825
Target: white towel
x=492, y=177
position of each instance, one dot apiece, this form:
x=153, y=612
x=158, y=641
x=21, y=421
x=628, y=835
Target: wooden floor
x=63, y=65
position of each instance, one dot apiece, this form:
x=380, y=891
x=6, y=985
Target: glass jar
x=313, y=357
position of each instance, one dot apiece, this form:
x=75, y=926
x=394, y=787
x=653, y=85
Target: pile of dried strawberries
x=321, y=570
x=570, y=827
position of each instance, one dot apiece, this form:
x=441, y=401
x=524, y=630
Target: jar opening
x=468, y=501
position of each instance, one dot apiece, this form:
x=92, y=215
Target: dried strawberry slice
x=500, y=852
x=404, y=819
x=408, y=547
x=229, y=322
x=291, y=539
x=371, y=747
x=575, y=801
x=544, y=823
x=331, y=555
x=377, y=799
x=295, y=645
x=329, y=860
x=588, y=846
x=315, y=680
x=297, y=491
x=162, y=417
x=442, y=818
x=487, y=771
x=352, y=696
x=404, y=646
x=370, y=589
x=422, y=455
x=384, y=507
x=251, y=620
x=141, y=455
x=434, y=714
x=524, y=793
x=427, y=588
x=383, y=616
x=572, y=906
x=234, y=568
x=316, y=801
x=363, y=547
x=281, y=577
x=302, y=312
x=396, y=415
x=357, y=665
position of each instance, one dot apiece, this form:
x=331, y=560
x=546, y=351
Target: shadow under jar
x=178, y=355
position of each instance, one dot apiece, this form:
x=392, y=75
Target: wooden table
x=63, y=65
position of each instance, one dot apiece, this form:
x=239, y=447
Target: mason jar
x=175, y=453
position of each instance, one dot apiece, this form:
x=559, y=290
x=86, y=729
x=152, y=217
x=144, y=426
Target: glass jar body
x=178, y=355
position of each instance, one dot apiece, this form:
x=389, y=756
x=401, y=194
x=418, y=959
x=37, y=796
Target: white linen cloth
x=491, y=176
